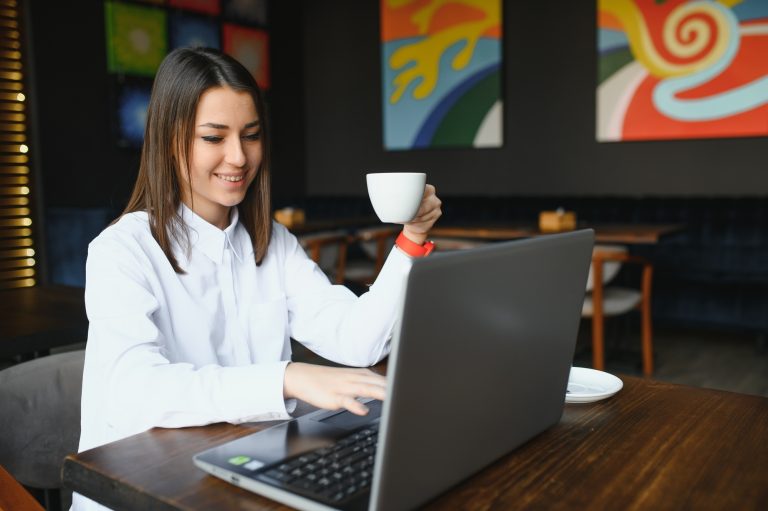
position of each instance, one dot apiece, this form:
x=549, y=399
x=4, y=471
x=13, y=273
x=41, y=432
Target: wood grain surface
x=652, y=446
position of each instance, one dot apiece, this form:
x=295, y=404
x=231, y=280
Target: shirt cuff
x=261, y=395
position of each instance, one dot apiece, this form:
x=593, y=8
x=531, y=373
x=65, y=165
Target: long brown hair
x=184, y=75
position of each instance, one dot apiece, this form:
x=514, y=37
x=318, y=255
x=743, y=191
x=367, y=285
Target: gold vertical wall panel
x=17, y=262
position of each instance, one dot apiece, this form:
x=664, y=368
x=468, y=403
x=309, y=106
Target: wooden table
x=604, y=233
x=350, y=224
x=652, y=446
x=626, y=234
x=33, y=320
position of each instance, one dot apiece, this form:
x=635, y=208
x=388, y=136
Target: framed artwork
x=132, y=102
x=212, y=7
x=679, y=69
x=139, y=36
x=191, y=31
x=441, y=72
x=251, y=47
x=136, y=38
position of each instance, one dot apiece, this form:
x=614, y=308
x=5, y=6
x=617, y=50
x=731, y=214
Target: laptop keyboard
x=332, y=474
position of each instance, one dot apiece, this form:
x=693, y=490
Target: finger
x=364, y=371
x=424, y=223
x=354, y=406
x=377, y=380
x=432, y=214
x=429, y=193
x=365, y=390
x=426, y=208
x=367, y=375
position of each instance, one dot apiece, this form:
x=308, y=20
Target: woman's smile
x=231, y=178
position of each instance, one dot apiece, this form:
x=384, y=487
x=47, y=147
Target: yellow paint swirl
x=427, y=52
x=686, y=20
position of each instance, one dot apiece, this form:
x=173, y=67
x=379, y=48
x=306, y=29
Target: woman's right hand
x=333, y=388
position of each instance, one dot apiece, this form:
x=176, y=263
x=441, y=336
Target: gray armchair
x=40, y=418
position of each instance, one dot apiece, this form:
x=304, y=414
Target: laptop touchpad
x=349, y=420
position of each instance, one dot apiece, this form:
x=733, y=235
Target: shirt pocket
x=267, y=324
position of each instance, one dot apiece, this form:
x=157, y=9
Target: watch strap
x=413, y=249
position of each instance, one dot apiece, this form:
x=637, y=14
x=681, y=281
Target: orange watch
x=413, y=249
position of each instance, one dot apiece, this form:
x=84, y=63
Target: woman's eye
x=253, y=136
x=212, y=139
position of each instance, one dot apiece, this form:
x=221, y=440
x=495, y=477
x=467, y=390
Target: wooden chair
x=604, y=300
x=329, y=251
x=444, y=244
x=376, y=243
x=13, y=496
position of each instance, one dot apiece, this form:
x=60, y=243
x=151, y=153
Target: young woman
x=194, y=293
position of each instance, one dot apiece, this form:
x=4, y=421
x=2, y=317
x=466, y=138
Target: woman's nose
x=235, y=155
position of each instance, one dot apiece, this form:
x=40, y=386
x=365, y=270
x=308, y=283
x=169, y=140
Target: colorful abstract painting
x=136, y=38
x=132, y=104
x=204, y=6
x=191, y=31
x=251, y=47
x=441, y=72
x=680, y=69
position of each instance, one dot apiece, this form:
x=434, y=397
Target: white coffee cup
x=396, y=196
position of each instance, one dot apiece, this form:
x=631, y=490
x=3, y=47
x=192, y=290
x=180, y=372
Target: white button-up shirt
x=211, y=345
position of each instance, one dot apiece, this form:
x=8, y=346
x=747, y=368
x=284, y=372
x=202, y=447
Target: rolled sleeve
x=333, y=322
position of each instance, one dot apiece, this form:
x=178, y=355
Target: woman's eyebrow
x=217, y=126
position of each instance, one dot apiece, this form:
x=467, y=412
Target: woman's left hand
x=429, y=211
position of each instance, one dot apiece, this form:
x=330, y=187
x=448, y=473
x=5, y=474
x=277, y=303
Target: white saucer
x=588, y=385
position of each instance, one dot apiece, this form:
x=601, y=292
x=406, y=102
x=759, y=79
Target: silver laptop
x=479, y=366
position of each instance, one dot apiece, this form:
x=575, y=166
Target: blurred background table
x=350, y=224
x=604, y=233
x=36, y=319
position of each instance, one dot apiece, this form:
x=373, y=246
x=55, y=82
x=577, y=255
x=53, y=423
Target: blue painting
x=189, y=31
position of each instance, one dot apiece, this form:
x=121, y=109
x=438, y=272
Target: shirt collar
x=208, y=238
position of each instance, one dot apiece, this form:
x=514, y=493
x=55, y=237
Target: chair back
x=13, y=496
x=40, y=417
x=375, y=243
x=610, y=267
x=329, y=250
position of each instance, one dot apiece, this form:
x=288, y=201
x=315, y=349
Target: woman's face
x=226, y=154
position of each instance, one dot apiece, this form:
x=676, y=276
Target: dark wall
x=286, y=102
x=549, y=118
x=325, y=108
x=80, y=162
